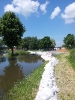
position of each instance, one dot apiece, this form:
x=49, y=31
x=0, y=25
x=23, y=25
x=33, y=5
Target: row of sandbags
x=48, y=88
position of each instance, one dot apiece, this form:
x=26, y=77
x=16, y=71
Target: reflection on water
x=29, y=58
x=2, y=56
x=16, y=68
x=11, y=74
x=1, y=52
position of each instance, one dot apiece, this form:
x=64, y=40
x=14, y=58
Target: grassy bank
x=26, y=89
x=72, y=58
x=17, y=52
x=65, y=78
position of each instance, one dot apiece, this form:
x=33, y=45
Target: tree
x=39, y=44
x=11, y=29
x=26, y=42
x=33, y=43
x=69, y=41
x=53, y=43
x=45, y=42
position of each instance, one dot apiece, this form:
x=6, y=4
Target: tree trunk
x=12, y=50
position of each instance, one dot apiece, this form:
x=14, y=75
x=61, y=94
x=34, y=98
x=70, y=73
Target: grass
x=72, y=58
x=27, y=88
x=17, y=52
x=65, y=78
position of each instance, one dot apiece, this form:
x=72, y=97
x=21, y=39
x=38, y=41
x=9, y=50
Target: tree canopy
x=34, y=43
x=69, y=41
x=53, y=43
x=11, y=29
x=45, y=42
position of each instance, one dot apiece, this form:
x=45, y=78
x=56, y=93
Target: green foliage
x=26, y=42
x=11, y=29
x=17, y=52
x=69, y=41
x=53, y=43
x=72, y=58
x=46, y=42
x=33, y=43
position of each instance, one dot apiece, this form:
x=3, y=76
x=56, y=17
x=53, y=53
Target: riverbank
x=26, y=89
x=65, y=78
x=16, y=53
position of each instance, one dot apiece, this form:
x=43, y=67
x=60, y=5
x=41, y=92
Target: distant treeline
x=32, y=43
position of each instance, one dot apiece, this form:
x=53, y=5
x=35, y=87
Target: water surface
x=16, y=68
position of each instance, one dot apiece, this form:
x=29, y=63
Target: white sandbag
x=47, y=88
x=45, y=94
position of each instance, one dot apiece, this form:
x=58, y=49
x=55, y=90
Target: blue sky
x=53, y=18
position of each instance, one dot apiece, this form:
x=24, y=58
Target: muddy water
x=15, y=69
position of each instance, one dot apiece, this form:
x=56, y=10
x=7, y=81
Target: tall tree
x=33, y=43
x=53, y=43
x=69, y=41
x=11, y=29
x=45, y=42
x=27, y=41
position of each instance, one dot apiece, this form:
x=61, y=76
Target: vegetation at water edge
x=27, y=88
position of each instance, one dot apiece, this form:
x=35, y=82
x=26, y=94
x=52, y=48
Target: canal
x=16, y=68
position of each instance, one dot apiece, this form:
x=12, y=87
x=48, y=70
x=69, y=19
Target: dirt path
x=65, y=78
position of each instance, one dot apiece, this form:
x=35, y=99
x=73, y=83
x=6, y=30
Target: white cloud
x=9, y=6
x=55, y=12
x=69, y=13
x=24, y=7
x=43, y=7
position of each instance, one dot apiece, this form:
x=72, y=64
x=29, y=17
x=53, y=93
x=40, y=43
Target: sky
x=53, y=18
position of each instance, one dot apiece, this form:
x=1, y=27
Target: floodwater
x=15, y=69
